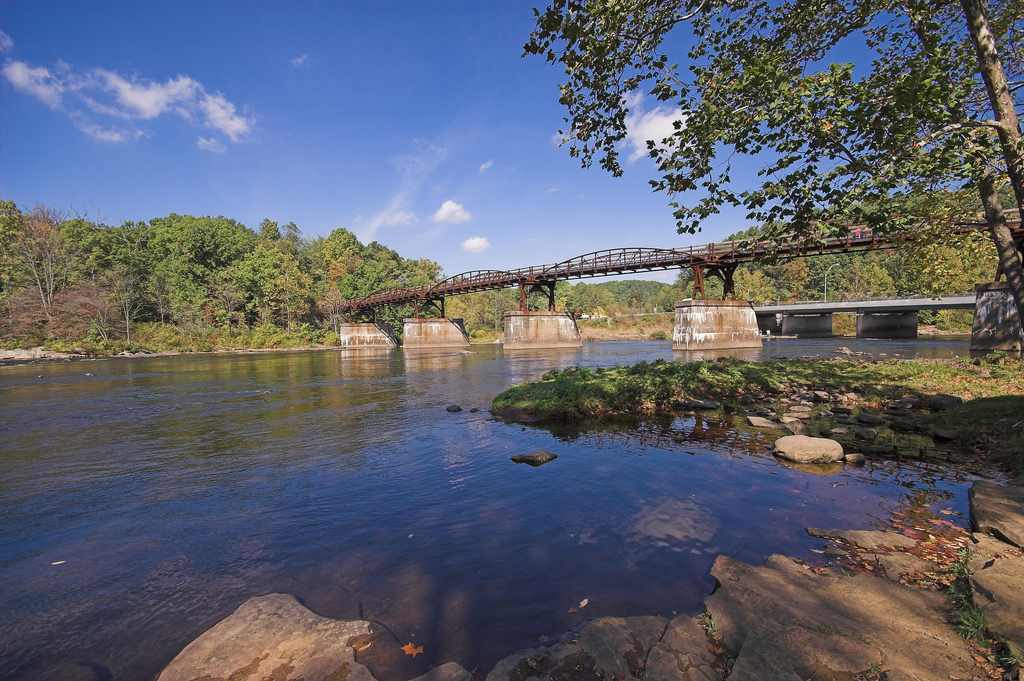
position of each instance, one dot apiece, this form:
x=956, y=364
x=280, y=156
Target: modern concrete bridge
x=876, y=317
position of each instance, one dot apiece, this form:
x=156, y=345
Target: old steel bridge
x=715, y=259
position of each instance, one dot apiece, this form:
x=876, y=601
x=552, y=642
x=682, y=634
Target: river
x=142, y=500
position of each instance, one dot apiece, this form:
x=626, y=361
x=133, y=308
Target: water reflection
x=170, y=489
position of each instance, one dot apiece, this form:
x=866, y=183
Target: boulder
x=761, y=422
x=820, y=396
x=796, y=427
x=869, y=434
x=272, y=637
x=943, y=402
x=856, y=458
x=625, y=649
x=806, y=449
x=537, y=458
x=999, y=511
x=785, y=620
x=997, y=573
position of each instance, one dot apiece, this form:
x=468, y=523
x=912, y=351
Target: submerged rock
x=785, y=620
x=761, y=422
x=453, y=408
x=272, y=637
x=449, y=671
x=999, y=511
x=624, y=649
x=537, y=458
x=870, y=540
x=806, y=449
x=856, y=458
x=700, y=405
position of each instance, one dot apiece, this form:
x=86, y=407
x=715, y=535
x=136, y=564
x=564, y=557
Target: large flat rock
x=870, y=540
x=272, y=637
x=998, y=510
x=806, y=449
x=623, y=649
x=787, y=621
x=997, y=579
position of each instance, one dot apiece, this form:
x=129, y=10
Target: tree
x=10, y=226
x=834, y=143
x=41, y=255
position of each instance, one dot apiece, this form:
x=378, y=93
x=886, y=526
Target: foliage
x=219, y=283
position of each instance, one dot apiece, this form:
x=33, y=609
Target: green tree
x=833, y=143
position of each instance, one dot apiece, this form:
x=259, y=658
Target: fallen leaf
x=410, y=649
x=584, y=603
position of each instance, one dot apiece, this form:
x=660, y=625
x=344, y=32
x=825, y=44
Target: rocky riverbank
x=921, y=599
x=40, y=354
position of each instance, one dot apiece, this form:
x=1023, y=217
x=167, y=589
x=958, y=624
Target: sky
x=419, y=125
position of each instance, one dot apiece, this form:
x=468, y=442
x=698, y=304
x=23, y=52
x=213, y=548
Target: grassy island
x=989, y=414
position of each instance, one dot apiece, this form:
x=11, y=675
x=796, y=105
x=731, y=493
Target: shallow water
x=143, y=500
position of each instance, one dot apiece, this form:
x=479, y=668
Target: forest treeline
x=184, y=282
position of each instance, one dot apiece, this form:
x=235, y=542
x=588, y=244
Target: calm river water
x=142, y=500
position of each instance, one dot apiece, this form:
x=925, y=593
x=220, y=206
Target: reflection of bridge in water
x=700, y=324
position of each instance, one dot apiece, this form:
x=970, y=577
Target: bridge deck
x=964, y=302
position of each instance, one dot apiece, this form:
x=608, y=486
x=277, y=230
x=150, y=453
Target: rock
x=943, y=402
x=840, y=409
x=796, y=427
x=820, y=396
x=537, y=458
x=795, y=415
x=856, y=458
x=473, y=410
x=869, y=434
x=785, y=621
x=760, y=422
x=699, y=404
x=870, y=419
x=998, y=511
x=801, y=409
x=625, y=649
x=997, y=573
x=275, y=637
x=869, y=540
x=805, y=449
x=944, y=435
x=836, y=430
x=453, y=408
x=449, y=671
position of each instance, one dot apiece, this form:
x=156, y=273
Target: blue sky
x=417, y=124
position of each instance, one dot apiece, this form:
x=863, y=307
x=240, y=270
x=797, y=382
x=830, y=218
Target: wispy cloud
x=648, y=125
x=299, y=60
x=553, y=189
x=108, y=94
x=414, y=168
x=6, y=43
x=452, y=213
x=476, y=244
x=211, y=144
x=103, y=133
x=485, y=166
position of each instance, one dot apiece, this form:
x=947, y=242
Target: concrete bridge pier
x=807, y=325
x=715, y=325
x=887, y=324
x=529, y=330
x=769, y=322
x=434, y=332
x=997, y=324
x=359, y=335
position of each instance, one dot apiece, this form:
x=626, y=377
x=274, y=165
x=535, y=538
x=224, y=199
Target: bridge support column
x=807, y=326
x=715, y=325
x=365, y=335
x=769, y=322
x=887, y=324
x=997, y=324
x=527, y=330
x=434, y=332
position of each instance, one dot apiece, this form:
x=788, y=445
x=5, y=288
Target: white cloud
x=641, y=126
x=553, y=189
x=414, y=169
x=476, y=244
x=452, y=212
x=37, y=81
x=113, y=95
x=6, y=44
x=485, y=166
x=211, y=144
x=299, y=60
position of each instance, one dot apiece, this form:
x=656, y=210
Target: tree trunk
x=991, y=69
x=1009, y=255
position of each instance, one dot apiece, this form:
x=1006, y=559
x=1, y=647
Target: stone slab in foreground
x=790, y=622
x=623, y=649
x=997, y=578
x=272, y=637
x=998, y=510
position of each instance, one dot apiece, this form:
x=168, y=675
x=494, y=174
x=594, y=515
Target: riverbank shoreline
x=23, y=356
